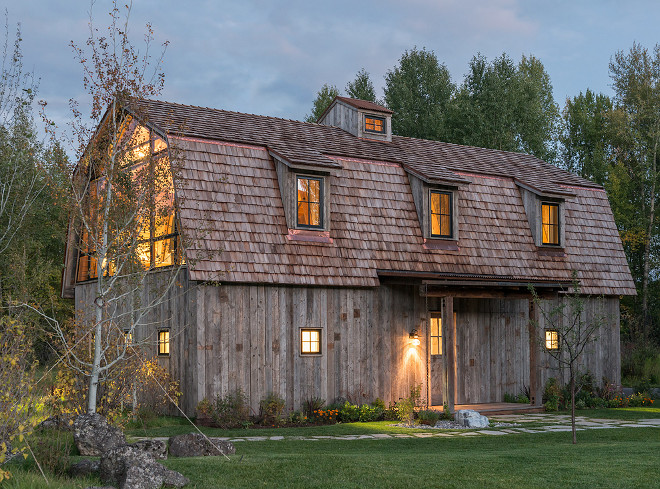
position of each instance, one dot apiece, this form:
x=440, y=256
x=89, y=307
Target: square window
x=436, y=336
x=310, y=341
x=310, y=202
x=441, y=215
x=374, y=124
x=549, y=224
x=164, y=342
x=551, y=339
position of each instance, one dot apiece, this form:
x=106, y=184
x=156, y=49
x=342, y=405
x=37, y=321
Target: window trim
x=451, y=214
x=375, y=118
x=318, y=331
x=558, y=206
x=164, y=344
x=551, y=340
x=321, y=181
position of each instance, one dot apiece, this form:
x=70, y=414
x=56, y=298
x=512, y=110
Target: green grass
x=603, y=458
x=624, y=457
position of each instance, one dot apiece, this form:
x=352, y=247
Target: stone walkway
x=550, y=423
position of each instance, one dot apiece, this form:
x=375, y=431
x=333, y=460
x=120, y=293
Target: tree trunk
x=647, y=248
x=573, y=407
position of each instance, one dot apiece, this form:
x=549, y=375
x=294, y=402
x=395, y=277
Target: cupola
x=361, y=118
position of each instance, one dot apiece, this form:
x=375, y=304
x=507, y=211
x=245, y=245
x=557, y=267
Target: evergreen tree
x=324, y=98
x=361, y=88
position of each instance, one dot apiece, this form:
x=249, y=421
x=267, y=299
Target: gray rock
x=157, y=448
x=93, y=435
x=100, y=487
x=131, y=468
x=470, y=419
x=196, y=445
x=62, y=422
x=85, y=468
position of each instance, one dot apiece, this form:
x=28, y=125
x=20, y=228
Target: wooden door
x=435, y=352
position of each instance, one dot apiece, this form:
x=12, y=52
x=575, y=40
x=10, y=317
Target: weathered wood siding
x=252, y=342
x=602, y=356
x=175, y=311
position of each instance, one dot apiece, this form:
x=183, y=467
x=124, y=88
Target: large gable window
x=310, y=202
x=550, y=224
x=441, y=214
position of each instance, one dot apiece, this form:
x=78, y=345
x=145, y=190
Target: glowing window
x=310, y=208
x=550, y=223
x=441, y=215
x=310, y=341
x=374, y=124
x=164, y=342
x=551, y=339
x=436, y=336
x=128, y=338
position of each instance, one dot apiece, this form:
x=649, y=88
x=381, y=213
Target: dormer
x=360, y=118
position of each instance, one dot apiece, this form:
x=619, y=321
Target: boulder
x=132, y=468
x=470, y=419
x=93, y=435
x=84, y=468
x=157, y=448
x=197, y=445
x=62, y=422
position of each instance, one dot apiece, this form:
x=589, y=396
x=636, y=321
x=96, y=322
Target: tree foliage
x=418, y=90
x=634, y=129
x=362, y=87
x=585, y=143
x=323, y=99
x=505, y=106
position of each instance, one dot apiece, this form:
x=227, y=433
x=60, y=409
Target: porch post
x=449, y=352
x=535, y=390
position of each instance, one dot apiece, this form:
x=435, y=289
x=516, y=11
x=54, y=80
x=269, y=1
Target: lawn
x=623, y=457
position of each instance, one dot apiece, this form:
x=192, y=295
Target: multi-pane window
x=549, y=223
x=436, y=336
x=128, y=338
x=310, y=341
x=142, y=207
x=310, y=205
x=551, y=339
x=374, y=124
x=441, y=214
x=164, y=342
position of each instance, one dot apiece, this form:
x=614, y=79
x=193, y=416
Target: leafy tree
x=361, y=88
x=505, y=106
x=585, y=143
x=635, y=134
x=418, y=90
x=121, y=202
x=324, y=98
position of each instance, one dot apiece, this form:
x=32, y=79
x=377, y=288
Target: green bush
x=270, y=409
x=446, y=413
x=551, y=395
x=428, y=417
x=370, y=413
x=349, y=413
x=230, y=411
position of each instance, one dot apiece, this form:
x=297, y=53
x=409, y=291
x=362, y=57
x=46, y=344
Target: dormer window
x=310, y=202
x=374, y=124
x=550, y=224
x=441, y=214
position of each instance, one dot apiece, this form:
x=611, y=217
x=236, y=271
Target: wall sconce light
x=414, y=337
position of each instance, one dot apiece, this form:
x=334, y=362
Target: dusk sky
x=271, y=57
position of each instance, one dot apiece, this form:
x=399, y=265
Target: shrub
x=312, y=404
x=349, y=413
x=446, y=413
x=370, y=413
x=229, y=411
x=428, y=417
x=326, y=416
x=551, y=395
x=270, y=409
x=296, y=417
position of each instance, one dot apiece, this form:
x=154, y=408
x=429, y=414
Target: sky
x=271, y=57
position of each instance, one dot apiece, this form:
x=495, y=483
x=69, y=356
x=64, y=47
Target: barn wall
x=252, y=342
x=165, y=307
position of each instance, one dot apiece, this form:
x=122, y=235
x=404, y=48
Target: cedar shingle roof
x=228, y=188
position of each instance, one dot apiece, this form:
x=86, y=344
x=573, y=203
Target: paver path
x=551, y=423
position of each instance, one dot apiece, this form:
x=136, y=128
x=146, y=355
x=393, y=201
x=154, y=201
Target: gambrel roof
x=228, y=186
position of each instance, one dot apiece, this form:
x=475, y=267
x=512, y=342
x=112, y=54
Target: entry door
x=435, y=351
